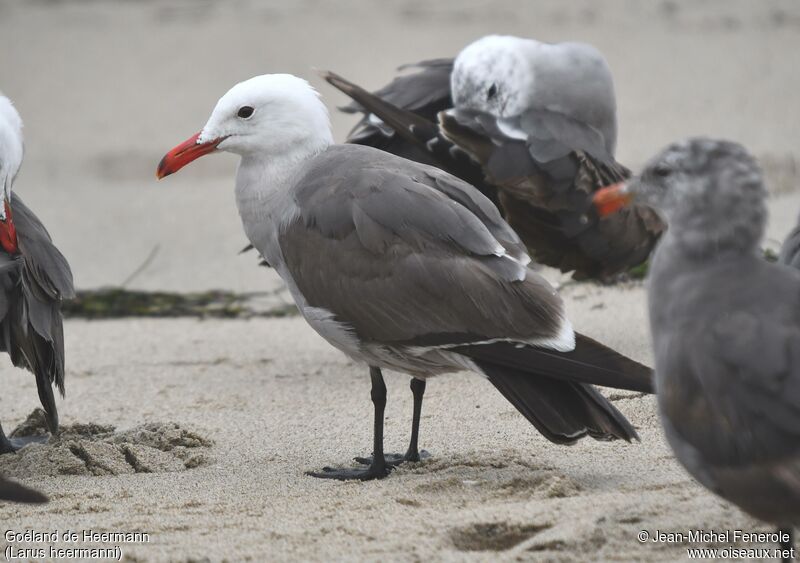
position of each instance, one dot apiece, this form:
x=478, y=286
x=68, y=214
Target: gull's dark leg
x=11, y=445
x=412, y=454
x=788, y=545
x=378, y=468
x=418, y=390
x=5, y=444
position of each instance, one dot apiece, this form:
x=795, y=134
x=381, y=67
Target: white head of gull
x=11, y=152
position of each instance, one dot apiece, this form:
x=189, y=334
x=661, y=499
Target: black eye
x=491, y=92
x=245, y=112
x=662, y=171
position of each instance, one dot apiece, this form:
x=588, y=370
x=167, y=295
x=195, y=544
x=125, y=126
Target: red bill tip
x=185, y=153
x=611, y=199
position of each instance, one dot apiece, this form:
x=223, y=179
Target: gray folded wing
x=406, y=254
x=48, y=270
x=545, y=167
x=790, y=249
x=32, y=286
x=729, y=389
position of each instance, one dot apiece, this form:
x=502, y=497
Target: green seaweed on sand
x=115, y=302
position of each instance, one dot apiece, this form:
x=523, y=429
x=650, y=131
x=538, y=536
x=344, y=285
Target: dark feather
x=553, y=389
x=543, y=186
x=563, y=411
x=33, y=285
x=375, y=228
x=590, y=362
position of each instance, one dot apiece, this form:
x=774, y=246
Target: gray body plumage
x=726, y=330
x=538, y=122
x=32, y=286
x=393, y=262
x=402, y=266
x=790, y=249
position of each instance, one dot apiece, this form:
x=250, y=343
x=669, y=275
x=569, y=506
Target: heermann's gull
x=14, y=492
x=402, y=266
x=34, y=278
x=726, y=327
x=539, y=123
x=790, y=249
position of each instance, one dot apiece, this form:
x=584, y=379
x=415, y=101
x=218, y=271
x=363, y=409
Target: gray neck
x=264, y=183
x=265, y=196
x=703, y=233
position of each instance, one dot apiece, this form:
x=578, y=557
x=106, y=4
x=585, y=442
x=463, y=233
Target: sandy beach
x=198, y=432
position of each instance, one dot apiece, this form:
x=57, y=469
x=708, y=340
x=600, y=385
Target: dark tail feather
x=46, y=370
x=563, y=411
x=48, y=400
x=590, y=362
x=11, y=491
x=420, y=133
x=403, y=121
x=553, y=389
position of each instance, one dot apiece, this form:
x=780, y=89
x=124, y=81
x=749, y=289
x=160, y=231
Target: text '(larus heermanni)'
x=533, y=126
x=403, y=266
x=34, y=278
x=726, y=328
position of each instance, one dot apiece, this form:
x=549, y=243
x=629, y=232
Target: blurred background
x=107, y=87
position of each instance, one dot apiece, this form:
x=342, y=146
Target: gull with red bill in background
x=402, y=266
x=533, y=126
x=34, y=278
x=725, y=326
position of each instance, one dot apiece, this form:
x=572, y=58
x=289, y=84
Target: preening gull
x=533, y=126
x=725, y=326
x=402, y=266
x=34, y=278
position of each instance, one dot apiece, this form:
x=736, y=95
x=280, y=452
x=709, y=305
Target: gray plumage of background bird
x=726, y=329
x=34, y=278
x=533, y=126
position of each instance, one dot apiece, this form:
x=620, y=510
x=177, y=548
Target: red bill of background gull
x=533, y=126
x=403, y=266
x=34, y=278
x=726, y=328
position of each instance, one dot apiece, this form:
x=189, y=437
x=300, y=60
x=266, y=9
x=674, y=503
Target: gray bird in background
x=402, y=266
x=14, y=492
x=725, y=326
x=34, y=278
x=790, y=249
x=533, y=126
